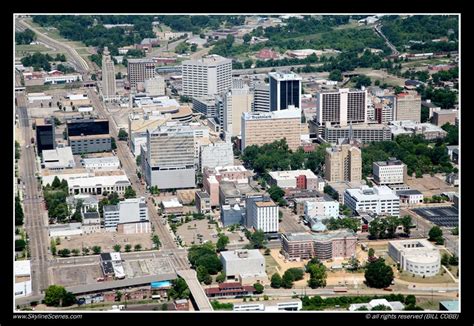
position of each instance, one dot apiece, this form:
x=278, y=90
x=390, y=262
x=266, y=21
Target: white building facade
x=418, y=256
x=389, y=172
x=321, y=207
x=380, y=200
x=127, y=211
x=216, y=154
x=264, y=216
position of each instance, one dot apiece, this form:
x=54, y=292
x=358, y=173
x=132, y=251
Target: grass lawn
x=270, y=265
x=427, y=304
x=439, y=278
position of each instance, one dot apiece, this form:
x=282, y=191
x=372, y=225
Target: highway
x=79, y=63
x=238, y=72
x=34, y=219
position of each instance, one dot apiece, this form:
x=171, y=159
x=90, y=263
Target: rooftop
x=408, y=192
x=377, y=192
x=269, y=203
x=172, y=203
x=240, y=255
x=284, y=175
x=421, y=249
x=330, y=235
x=62, y=156
x=280, y=76
x=389, y=162
x=282, y=114
x=208, y=60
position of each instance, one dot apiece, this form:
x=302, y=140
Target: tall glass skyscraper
x=285, y=90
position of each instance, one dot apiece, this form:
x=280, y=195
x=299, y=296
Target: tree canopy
x=378, y=274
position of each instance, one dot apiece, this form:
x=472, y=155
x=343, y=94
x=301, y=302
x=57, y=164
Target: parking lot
x=442, y=216
x=197, y=232
x=106, y=241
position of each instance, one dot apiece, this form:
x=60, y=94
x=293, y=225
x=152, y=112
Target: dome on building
x=318, y=227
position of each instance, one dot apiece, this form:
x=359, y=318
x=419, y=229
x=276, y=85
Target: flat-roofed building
x=343, y=163
x=261, y=98
x=389, y=172
x=212, y=177
x=210, y=75
x=301, y=179
x=327, y=245
x=127, y=211
x=321, y=207
x=270, y=306
x=45, y=134
x=203, y=202
x=88, y=136
x=155, y=86
x=235, y=102
x=408, y=107
x=260, y=128
x=380, y=200
x=140, y=70
x=59, y=158
x=408, y=127
x=263, y=214
x=285, y=90
x=231, y=192
x=410, y=197
x=168, y=161
x=417, y=256
x=216, y=154
x=90, y=222
x=101, y=163
x=342, y=106
x=236, y=263
x=441, y=117
x=365, y=133
x=94, y=183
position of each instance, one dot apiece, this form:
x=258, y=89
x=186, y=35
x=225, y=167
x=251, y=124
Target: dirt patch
x=429, y=185
x=106, y=240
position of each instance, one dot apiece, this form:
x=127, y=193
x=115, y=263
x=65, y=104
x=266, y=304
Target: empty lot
x=76, y=275
x=106, y=241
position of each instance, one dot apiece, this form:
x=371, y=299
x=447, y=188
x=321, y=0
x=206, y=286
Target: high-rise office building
x=342, y=107
x=408, y=107
x=108, y=76
x=236, y=101
x=45, y=134
x=261, y=97
x=258, y=128
x=130, y=210
x=209, y=75
x=168, y=161
x=140, y=70
x=285, y=90
x=343, y=163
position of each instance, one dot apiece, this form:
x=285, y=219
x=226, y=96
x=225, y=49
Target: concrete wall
x=173, y=179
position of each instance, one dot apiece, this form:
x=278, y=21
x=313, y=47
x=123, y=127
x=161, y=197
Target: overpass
x=200, y=297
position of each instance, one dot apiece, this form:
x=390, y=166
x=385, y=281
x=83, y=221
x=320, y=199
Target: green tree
x=137, y=247
x=276, y=193
x=130, y=193
x=435, y=233
x=128, y=247
x=56, y=183
x=85, y=251
x=453, y=260
x=246, y=38
x=117, y=247
x=276, y=281
x=378, y=274
x=203, y=275
x=287, y=280
x=298, y=273
x=96, y=250
x=75, y=252
x=371, y=253
x=380, y=307
x=139, y=160
x=69, y=299
x=267, y=251
x=54, y=295
x=335, y=75
x=18, y=212
x=257, y=239
x=406, y=223
x=221, y=277
x=318, y=276
x=64, y=252
x=122, y=135
x=222, y=242
x=258, y=288
x=179, y=289
x=410, y=300
x=156, y=241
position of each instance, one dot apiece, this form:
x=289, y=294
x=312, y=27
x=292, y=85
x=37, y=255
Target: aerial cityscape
x=236, y=163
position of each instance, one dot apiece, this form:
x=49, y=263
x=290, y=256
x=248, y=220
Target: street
x=38, y=240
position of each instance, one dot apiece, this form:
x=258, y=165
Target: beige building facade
x=343, y=163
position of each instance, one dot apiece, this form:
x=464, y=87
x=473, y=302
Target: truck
x=340, y=289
